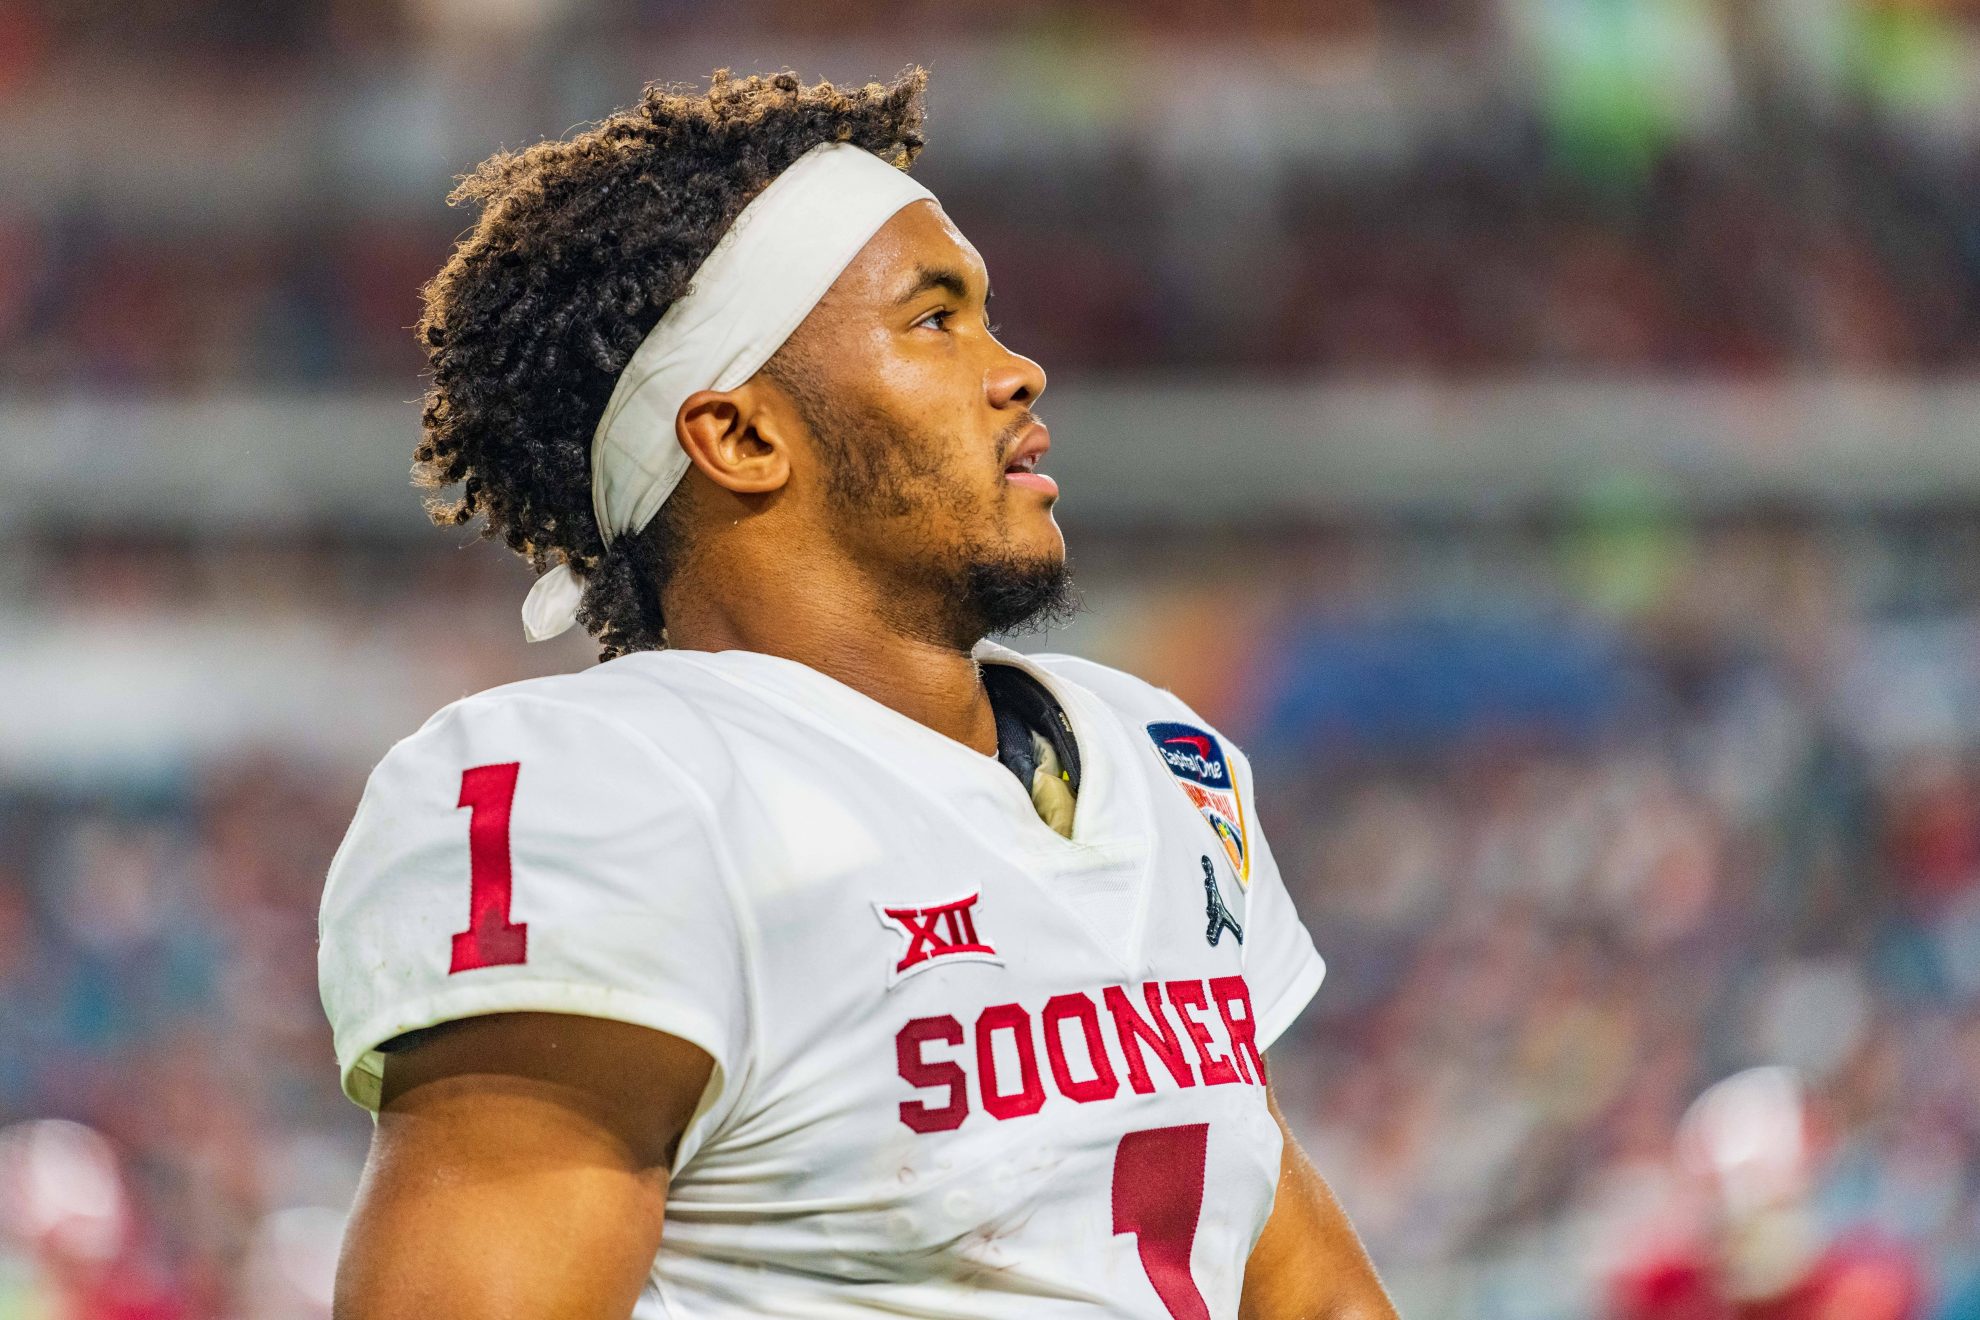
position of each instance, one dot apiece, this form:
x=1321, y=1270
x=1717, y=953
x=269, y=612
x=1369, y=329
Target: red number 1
x=1158, y=1195
x=491, y=939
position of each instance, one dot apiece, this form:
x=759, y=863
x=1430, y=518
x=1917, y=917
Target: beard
x=1013, y=595
x=956, y=592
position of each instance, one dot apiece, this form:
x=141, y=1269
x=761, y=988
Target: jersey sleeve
x=1281, y=965
x=529, y=854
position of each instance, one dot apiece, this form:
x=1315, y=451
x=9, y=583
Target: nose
x=1016, y=382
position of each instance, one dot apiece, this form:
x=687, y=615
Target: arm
x=1308, y=1264
x=519, y=1169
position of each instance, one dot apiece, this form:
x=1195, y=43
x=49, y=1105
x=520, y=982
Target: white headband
x=763, y=278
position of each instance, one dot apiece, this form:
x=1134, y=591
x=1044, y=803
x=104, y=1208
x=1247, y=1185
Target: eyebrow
x=947, y=278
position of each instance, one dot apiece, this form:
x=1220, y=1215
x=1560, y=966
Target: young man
x=813, y=956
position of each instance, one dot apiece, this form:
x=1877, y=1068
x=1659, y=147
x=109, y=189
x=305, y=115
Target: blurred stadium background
x=1545, y=432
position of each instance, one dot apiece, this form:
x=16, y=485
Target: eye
x=939, y=314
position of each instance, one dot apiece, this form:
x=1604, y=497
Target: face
x=922, y=439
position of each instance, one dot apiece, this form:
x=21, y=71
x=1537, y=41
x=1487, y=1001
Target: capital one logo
x=945, y=931
x=1191, y=754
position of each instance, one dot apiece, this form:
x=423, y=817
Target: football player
x=813, y=955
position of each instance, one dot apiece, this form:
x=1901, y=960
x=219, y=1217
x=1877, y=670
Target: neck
x=845, y=626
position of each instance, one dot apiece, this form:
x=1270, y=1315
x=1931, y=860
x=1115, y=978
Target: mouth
x=1021, y=469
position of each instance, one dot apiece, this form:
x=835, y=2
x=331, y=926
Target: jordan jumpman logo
x=1220, y=916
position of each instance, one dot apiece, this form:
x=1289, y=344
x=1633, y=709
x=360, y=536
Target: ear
x=736, y=442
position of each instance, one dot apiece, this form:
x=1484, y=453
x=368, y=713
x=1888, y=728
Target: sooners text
x=1085, y=1061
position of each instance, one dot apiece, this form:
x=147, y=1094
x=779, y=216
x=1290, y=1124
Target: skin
x=776, y=567
x=520, y=1164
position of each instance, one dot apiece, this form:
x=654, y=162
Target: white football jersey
x=964, y=1067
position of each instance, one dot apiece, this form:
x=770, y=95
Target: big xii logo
x=1203, y=771
x=944, y=931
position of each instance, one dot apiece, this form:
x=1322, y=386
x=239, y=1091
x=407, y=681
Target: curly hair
x=581, y=245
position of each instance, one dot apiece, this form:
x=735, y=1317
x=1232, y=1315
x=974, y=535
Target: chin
x=1040, y=538
x=1016, y=592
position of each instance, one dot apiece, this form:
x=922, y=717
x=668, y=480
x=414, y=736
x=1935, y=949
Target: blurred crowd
x=157, y=960
x=1459, y=265
x=1479, y=187
x=1585, y=819
x=1713, y=806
